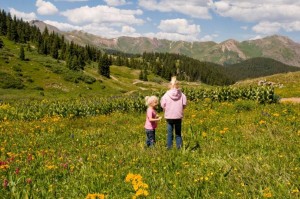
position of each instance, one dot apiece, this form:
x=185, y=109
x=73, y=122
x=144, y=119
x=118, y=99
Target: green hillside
x=286, y=84
x=258, y=67
x=41, y=77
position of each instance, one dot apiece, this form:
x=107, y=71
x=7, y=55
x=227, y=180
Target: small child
x=151, y=119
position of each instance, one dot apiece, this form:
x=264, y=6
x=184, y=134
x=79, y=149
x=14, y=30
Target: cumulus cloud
x=103, y=14
x=180, y=26
x=194, y=8
x=62, y=26
x=270, y=16
x=45, y=7
x=115, y=2
x=23, y=15
x=176, y=29
x=256, y=37
x=266, y=27
x=96, y=29
x=128, y=29
x=209, y=37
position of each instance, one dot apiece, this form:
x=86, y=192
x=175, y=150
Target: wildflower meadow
x=239, y=148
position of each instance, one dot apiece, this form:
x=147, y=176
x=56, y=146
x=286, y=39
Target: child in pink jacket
x=173, y=103
x=151, y=119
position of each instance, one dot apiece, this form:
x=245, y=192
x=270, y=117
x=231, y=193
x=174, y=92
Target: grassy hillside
x=44, y=77
x=286, y=84
x=258, y=67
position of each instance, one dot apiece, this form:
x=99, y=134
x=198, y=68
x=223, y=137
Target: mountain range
x=229, y=52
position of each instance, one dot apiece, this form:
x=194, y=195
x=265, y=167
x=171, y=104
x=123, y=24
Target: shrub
x=87, y=79
x=9, y=81
x=17, y=68
x=71, y=77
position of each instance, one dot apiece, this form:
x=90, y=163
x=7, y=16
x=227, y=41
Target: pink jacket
x=173, y=102
x=151, y=113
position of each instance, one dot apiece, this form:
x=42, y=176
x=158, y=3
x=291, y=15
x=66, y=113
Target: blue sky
x=188, y=20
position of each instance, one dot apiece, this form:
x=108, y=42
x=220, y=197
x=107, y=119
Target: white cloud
x=96, y=29
x=180, y=26
x=128, y=29
x=63, y=26
x=209, y=37
x=194, y=8
x=292, y=26
x=176, y=29
x=103, y=14
x=23, y=15
x=271, y=16
x=256, y=11
x=256, y=37
x=45, y=7
x=266, y=27
x=115, y=2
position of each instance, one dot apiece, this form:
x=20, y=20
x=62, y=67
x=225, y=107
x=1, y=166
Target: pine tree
x=22, y=53
x=141, y=76
x=103, y=66
x=145, y=76
x=1, y=43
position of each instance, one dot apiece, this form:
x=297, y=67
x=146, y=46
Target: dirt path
x=290, y=100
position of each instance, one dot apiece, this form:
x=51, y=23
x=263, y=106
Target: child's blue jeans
x=150, y=139
x=171, y=125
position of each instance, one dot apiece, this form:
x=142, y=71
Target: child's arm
x=154, y=119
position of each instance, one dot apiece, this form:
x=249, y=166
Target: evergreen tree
x=54, y=48
x=141, y=76
x=28, y=47
x=104, y=66
x=145, y=75
x=22, y=53
x=3, y=25
x=1, y=43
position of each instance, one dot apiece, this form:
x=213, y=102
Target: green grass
x=286, y=84
x=42, y=82
x=231, y=150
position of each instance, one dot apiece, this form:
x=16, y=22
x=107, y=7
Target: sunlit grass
x=231, y=150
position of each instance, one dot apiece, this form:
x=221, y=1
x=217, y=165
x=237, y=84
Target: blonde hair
x=174, y=83
x=150, y=99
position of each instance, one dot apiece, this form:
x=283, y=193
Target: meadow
x=238, y=149
x=60, y=139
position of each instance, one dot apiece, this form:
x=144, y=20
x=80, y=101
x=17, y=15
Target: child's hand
x=159, y=118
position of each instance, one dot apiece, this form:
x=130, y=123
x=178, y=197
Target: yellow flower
x=50, y=167
x=95, y=196
x=129, y=177
x=5, y=166
x=267, y=195
x=295, y=190
x=262, y=122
